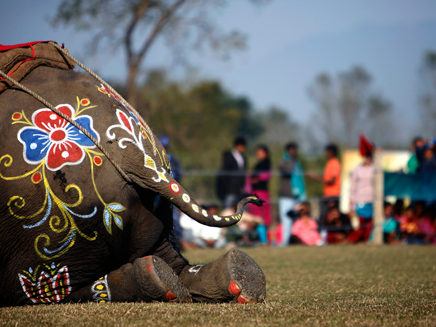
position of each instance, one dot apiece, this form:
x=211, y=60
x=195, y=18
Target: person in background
x=428, y=163
x=362, y=198
x=398, y=209
x=176, y=170
x=258, y=184
x=428, y=169
x=231, y=178
x=408, y=223
x=196, y=235
x=331, y=180
x=244, y=233
x=410, y=231
x=292, y=189
x=305, y=229
x=424, y=222
x=187, y=240
x=337, y=225
x=391, y=227
x=413, y=163
x=332, y=174
x=177, y=175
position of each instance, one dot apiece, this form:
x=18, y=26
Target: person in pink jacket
x=305, y=229
x=258, y=184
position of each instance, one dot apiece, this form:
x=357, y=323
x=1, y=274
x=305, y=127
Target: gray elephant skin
x=72, y=228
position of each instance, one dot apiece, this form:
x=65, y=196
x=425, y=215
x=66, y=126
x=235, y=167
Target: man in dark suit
x=231, y=179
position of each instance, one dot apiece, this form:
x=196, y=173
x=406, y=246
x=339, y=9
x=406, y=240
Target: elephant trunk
x=178, y=196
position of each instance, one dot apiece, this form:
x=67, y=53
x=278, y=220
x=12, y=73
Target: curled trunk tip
x=254, y=199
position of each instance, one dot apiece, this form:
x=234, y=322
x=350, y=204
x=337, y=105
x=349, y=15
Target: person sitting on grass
x=305, y=229
x=196, y=235
x=338, y=226
x=391, y=227
x=244, y=233
x=424, y=222
x=410, y=232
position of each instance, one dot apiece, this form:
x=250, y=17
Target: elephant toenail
x=241, y=300
x=233, y=288
x=170, y=296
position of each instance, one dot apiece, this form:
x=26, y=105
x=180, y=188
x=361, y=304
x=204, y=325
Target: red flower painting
x=54, y=139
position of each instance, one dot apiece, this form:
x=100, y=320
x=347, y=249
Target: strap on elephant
x=71, y=121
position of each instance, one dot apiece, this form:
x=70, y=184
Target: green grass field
x=335, y=285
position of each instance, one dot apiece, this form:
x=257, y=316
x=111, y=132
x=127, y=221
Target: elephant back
x=19, y=60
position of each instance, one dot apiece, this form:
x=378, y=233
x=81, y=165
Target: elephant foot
x=147, y=279
x=234, y=277
x=158, y=282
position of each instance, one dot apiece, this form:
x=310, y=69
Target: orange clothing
x=332, y=169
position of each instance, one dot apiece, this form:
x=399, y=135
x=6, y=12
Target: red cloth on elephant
x=22, y=45
x=19, y=60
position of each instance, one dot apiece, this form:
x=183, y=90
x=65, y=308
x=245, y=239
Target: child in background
x=338, y=226
x=391, y=227
x=305, y=229
x=425, y=225
x=409, y=229
x=244, y=233
x=196, y=235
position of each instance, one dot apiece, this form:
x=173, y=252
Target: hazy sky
x=290, y=42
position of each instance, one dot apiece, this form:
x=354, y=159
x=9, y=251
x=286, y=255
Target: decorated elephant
x=87, y=195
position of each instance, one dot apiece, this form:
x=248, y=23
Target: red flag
x=365, y=146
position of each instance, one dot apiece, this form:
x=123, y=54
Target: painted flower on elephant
x=125, y=123
x=146, y=131
x=51, y=287
x=55, y=140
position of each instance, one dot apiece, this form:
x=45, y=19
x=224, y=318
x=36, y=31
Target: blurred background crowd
x=406, y=220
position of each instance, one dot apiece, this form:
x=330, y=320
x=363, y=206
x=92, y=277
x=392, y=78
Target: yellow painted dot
x=100, y=287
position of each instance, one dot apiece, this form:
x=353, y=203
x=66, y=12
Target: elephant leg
x=146, y=279
x=235, y=276
x=169, y=252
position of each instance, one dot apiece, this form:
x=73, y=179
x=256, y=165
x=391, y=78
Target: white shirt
x=198, y=230
x=362, y=184
x=239, y=158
